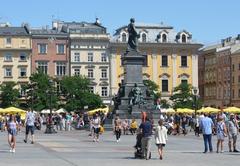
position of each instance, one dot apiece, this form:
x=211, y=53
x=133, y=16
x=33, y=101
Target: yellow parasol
x=105, y=110
x=14, y=110
x=185, y=110
x=232, y=110
x=208, y=110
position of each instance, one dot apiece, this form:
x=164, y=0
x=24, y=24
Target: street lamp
x=50, y=125
x=195, y=93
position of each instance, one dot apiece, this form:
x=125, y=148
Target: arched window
x=184, y=39
x=144, y=38
x=124, y=37
x=164, y=38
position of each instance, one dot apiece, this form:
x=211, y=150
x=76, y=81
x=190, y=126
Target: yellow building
x=171, y=57
x=15, y=51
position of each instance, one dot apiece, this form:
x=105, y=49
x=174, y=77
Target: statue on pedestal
x=132, y=36
x=136, y=96
x=117, y=98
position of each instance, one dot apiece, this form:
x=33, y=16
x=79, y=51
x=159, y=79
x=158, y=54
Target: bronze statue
x=117, y=98
x=136, y=96
x=132, y=36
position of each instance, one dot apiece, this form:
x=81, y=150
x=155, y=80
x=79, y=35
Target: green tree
x=183, y=98
x=153, y=89
x=76, y=93
x=164, y=103
x=9, y=94
x=41, y=92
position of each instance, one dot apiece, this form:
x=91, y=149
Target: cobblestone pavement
x=77, y=148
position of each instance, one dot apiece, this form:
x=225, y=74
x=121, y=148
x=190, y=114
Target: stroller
x=138, y=147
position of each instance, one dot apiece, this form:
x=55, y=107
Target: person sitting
x=125, y=126
x=133, y=126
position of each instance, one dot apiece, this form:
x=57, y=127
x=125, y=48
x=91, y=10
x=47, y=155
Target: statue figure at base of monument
x=136, y=96
x=132, y=36
x=117, y=98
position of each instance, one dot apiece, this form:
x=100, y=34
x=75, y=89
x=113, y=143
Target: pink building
x=50, y=52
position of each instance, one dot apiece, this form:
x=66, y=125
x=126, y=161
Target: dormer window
x=164, y=38
x=144, y=38
x=124, y=37
x=184, y=38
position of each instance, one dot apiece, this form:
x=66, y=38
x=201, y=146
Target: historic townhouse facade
x=89, y=54
x=171, y=57
x=221, y=73
x=50, y=52
x=15, y=55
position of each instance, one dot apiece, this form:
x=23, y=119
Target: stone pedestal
x=133, y=62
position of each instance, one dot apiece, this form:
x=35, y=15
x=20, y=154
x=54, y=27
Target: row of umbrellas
x=202, y=110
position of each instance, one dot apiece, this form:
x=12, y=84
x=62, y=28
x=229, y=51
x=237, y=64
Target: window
x=233, y=93
x=43, y=67
x=60, y=68
x=60, y=48
x=238, y=79
x=91, y=89
x=23, y=57
x=184, y=81
x=90, y=57
x=8, y=40
x=184, y=39
x=104, y=91
x=164, y=38
x=104, y=57
x=144, y=38
x=77, y=72
x=42, y=48
x=164, y=60
x=164, y=85
x=76, y=57
x=184, y=61
x=8, y=57
x=104, y=73
x=8, y=72
x=90, y=73
x=22, y=72
x=124, y=37
x=233, y=67
x=238, y=92
x=239, y=66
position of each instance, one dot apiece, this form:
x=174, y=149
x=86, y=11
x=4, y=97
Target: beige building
x=15, y=54
x=89, y=54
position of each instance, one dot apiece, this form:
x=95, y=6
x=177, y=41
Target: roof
x=47, y=32
x=13, y=31
x=83, y=27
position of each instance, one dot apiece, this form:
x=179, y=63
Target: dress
x=220, y=131
x=12, y=128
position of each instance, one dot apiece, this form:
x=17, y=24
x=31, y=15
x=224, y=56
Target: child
x=161, y=138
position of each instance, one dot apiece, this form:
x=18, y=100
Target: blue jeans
x=207, y=142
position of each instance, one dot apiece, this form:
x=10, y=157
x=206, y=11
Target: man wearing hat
x=232, y=128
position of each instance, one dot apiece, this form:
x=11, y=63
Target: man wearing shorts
x=232, y=128
x=29, y=122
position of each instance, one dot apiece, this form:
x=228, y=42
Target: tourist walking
x=12, y=132
x=118, y=128
x=146, y=129
x=96, y=123
x=160, y=138
x=206, y=124
x=29, y=123
x=232, y=128
x=221, y=133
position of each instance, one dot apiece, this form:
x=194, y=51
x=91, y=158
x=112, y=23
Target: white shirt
x=96, y=122
x=161, y=135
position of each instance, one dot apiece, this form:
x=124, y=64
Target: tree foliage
x=153, y=89
x=183, y=98
x=77, y=95
x=41, y=92
x=9, y=94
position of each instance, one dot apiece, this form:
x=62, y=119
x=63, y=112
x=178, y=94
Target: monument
x=132, y=97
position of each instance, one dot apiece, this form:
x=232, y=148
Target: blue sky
x=208, y=20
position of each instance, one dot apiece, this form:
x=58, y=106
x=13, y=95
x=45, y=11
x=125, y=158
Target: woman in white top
x=96, y=123
x=161, y=137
